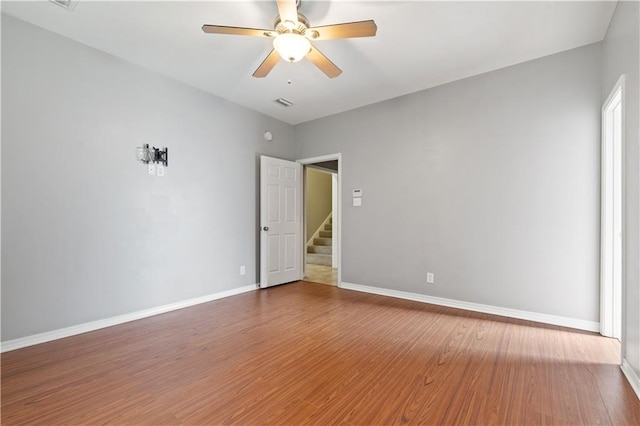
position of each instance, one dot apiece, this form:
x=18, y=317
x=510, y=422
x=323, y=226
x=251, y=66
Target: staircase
x=319, y=253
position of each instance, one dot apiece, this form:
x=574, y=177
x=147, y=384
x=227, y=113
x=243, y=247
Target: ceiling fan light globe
x=291, y=46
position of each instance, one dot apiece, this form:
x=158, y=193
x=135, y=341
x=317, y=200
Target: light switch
x=357, y=202
x=151, y=169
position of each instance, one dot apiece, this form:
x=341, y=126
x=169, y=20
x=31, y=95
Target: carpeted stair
x=319, y=253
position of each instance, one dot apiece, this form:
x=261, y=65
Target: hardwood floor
x=308, y=353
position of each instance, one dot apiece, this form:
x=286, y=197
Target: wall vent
x=67, y=4
x=284, y=102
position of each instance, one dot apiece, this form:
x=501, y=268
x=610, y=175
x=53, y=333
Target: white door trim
x=334, y=213
x=337, y=221
x=606, y=290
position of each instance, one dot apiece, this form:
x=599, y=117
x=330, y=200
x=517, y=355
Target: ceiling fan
x=292, y=35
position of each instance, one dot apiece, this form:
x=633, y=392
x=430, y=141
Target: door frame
x=607, y=304
x=337, y=221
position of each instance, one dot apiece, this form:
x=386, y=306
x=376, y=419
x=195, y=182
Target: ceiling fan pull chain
x=289, y=72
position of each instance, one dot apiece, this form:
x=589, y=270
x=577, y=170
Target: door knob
x=265, y=228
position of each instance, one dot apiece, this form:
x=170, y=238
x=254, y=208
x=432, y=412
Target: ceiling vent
x=67, y=4
x=285, y=103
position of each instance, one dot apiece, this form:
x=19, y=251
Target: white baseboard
x=48, y=336
x=476, y=307
x=631, y=376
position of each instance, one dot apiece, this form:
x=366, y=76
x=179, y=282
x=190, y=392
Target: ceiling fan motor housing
x=299, y=27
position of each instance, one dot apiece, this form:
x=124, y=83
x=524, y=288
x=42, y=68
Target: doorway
x=321, y=195
x=612, y=213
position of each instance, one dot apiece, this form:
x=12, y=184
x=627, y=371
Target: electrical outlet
x=430, y=278
x=242, y=270
x=160, y=170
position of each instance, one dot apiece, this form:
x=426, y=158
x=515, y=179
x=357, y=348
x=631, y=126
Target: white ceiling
x=420, y=44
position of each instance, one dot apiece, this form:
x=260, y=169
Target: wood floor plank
x=308, y=353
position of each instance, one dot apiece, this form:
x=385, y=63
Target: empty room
x=320, y=212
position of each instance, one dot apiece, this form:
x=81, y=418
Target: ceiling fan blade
x=254, y=32
x=288, y=10
x=267, y=65
x=347, y=30
x=322, y=62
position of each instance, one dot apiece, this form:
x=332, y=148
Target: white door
x=280, y=221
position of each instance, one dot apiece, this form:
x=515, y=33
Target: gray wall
x=86, y=233
x=621, y=56
x=318, y=199
x=492, y=183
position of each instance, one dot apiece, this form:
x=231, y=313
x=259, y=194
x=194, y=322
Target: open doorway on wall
x=321, y=220
x=612, y=217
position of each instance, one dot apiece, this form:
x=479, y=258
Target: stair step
x=322, y=241
x=326, y=234
x=319, y=249
x=319, y=259
x=328, y=227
